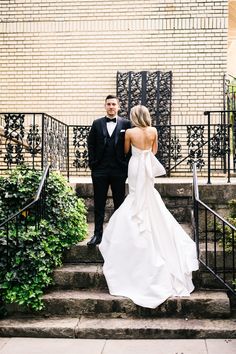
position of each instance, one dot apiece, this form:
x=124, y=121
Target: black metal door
x=153, y=90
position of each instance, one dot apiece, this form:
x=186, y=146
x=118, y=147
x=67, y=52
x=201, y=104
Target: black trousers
x=101, y=184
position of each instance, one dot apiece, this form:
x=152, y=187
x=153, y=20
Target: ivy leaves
x=35, y=251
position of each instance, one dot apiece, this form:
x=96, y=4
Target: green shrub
x=232, y=207
x=35, y=251
x=228, y=241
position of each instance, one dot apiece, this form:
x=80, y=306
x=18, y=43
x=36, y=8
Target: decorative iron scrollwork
x=152, y=89
x=55, y=143
x=122, y=87
x=152, y=98
x=135, y=89
x=195, y=142
x=80, y=134
x=14, y=133
x=163, y=153
x=220, y=142
x=34, y=139
x=164, y=104
x=175, y=148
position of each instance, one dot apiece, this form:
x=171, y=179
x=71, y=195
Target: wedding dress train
x=148, y=257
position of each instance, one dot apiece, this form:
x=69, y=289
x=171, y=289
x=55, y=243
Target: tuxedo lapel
x=104, y=128
x=118, y=128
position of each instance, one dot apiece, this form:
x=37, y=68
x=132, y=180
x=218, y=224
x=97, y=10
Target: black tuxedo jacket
x=97, y=141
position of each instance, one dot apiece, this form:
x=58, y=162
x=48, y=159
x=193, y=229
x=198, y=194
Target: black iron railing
x=37, y=139
x=55, y=140
x=223, y=142
x=215, y=238
x=78, y=152
x=28, y=216
x=210, y=145
x=207, y=145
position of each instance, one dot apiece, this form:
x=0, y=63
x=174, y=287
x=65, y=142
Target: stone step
x=81, y=253
x=118, y=328
x=80, y=276
x=201, y=304
x=176, y=196
x=90, y=276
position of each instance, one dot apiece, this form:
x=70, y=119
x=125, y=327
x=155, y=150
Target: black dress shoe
x=95, y=240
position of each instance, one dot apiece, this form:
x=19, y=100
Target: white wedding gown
x=148, y=257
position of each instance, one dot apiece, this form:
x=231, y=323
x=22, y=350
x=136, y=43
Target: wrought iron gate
x=153, y=90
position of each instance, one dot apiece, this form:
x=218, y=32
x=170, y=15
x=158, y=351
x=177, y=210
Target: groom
x=107, y=162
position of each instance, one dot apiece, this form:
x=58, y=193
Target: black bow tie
x=108, y=120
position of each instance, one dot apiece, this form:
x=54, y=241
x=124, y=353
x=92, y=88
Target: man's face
x=111, y=107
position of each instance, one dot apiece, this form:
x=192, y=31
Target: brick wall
x=61, y=56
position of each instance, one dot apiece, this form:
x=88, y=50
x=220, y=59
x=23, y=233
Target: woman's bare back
x=142, y=138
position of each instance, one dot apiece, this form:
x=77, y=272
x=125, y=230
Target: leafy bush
x=232, y=206
x=228, y=241
x=33, y=251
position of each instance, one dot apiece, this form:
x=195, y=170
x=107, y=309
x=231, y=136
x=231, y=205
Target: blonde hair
x=140, y=116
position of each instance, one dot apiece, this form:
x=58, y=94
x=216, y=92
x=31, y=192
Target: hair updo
x=140, y=116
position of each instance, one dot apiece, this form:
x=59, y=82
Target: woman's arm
x=155, y=144
x=127, y=141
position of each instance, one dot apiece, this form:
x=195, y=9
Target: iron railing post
x=208, y=147
x=229, y=152
x=33, y=146
x=195, y=208
x=170, y=132
x=224, y=92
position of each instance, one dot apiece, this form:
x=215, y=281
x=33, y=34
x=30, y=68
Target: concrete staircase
x=79, y=305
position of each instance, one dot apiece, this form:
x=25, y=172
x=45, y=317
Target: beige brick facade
x=61, y=56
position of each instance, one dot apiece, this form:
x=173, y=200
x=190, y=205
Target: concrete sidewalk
x=100, y=346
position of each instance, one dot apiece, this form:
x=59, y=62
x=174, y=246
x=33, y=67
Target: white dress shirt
x=111, y=126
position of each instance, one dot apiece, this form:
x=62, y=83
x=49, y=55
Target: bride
x=148, y=257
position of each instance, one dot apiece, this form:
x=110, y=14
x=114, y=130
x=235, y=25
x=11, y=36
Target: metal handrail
x=195, y=223
x=35, y=198
x=196, y=196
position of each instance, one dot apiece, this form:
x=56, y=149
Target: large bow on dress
x=148, y=168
